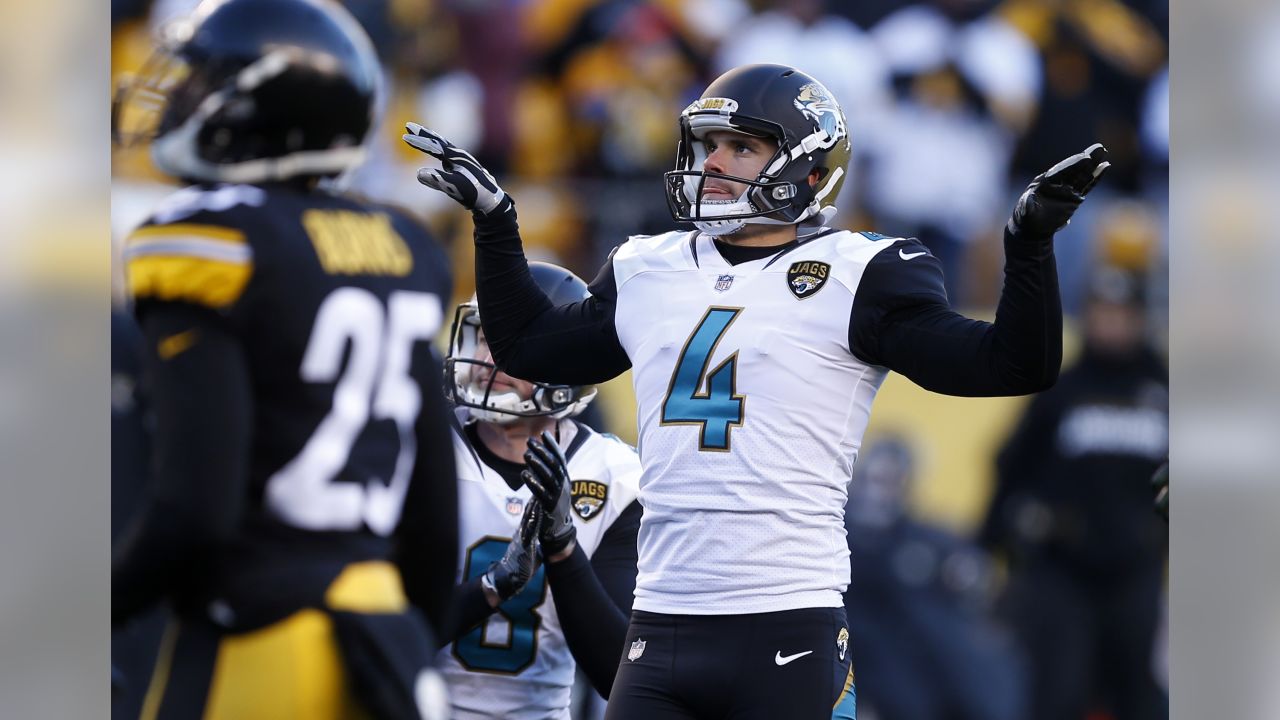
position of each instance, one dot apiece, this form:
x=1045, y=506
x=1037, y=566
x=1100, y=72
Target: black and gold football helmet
x=772, y=101
x=250, y=91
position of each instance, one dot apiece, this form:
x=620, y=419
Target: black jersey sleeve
x=468, y=607
x=198, y=379
x=427, y=535
x=593, y=598
x=902, y=320
x=574, y=344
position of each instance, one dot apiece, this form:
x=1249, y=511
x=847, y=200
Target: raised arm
x=575, y=343
x=902, y=320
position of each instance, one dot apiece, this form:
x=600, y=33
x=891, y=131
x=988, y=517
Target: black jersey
x=331, y=305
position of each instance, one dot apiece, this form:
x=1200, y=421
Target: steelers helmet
x=469, y=373
x=254, y=91
x=770, y=101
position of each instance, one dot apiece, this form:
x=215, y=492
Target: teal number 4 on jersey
x=719, y=408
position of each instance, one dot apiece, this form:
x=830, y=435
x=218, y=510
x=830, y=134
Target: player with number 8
x=547, y=532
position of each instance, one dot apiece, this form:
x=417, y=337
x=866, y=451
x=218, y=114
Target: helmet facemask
x=469, y=376
x=162, y=90
x=763, y=196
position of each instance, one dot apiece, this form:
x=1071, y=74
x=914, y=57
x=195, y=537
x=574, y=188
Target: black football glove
x=462, y=177
x=508, y=575
x=547, y=476
x=1049, y=201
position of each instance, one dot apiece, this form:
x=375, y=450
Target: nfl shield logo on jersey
x=515, y=505
x=724, y=282
x=637, y=649
x=806, y=277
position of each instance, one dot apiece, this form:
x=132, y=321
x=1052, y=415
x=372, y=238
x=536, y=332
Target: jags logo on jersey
x=806, y=277
x=588, y=497
x=842, y=642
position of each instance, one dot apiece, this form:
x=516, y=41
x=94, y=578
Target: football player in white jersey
x=757, y=343
x=510, y=656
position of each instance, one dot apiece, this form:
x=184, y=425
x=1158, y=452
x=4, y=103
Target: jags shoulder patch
x=806, y=277
x=588, y=497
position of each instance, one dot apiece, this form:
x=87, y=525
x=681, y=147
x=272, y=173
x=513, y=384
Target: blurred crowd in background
x=953, y=106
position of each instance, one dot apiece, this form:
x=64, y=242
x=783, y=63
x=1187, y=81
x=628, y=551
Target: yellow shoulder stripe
x=204, y=281
x=204, y=264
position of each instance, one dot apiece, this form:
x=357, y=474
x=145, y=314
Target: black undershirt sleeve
x=593, y=599
x=203, y=407
x=427, y=535
x=573, y=344
x=468, y=607
x=902, y=320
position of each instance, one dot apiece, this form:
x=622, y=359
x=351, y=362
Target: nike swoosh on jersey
x=780, y=660
x=905, y=256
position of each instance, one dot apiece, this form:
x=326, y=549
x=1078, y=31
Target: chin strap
x=719, y=227
x=728, y=226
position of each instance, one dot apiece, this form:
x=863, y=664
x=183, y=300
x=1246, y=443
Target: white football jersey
x=751, y=411
x=516, y=664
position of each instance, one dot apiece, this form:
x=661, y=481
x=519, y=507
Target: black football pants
x=791, y=665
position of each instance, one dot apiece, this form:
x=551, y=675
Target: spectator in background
x=965, y=84
x=592, y=122
x=917, y=607
x=1072, y=510
x=619, y=67
x=800, y=33
x=1100, y=57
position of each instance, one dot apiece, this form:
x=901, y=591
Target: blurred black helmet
x=469, y=372
x=771, y=101
x=254, y=90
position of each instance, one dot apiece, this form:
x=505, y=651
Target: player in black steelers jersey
x=302, y=525
x=757, y=342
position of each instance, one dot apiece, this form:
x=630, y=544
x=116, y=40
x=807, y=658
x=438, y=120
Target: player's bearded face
x=736, y=154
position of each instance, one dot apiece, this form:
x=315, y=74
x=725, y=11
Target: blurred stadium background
x=55, y=83
x=573, y=103
x=953, y=106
